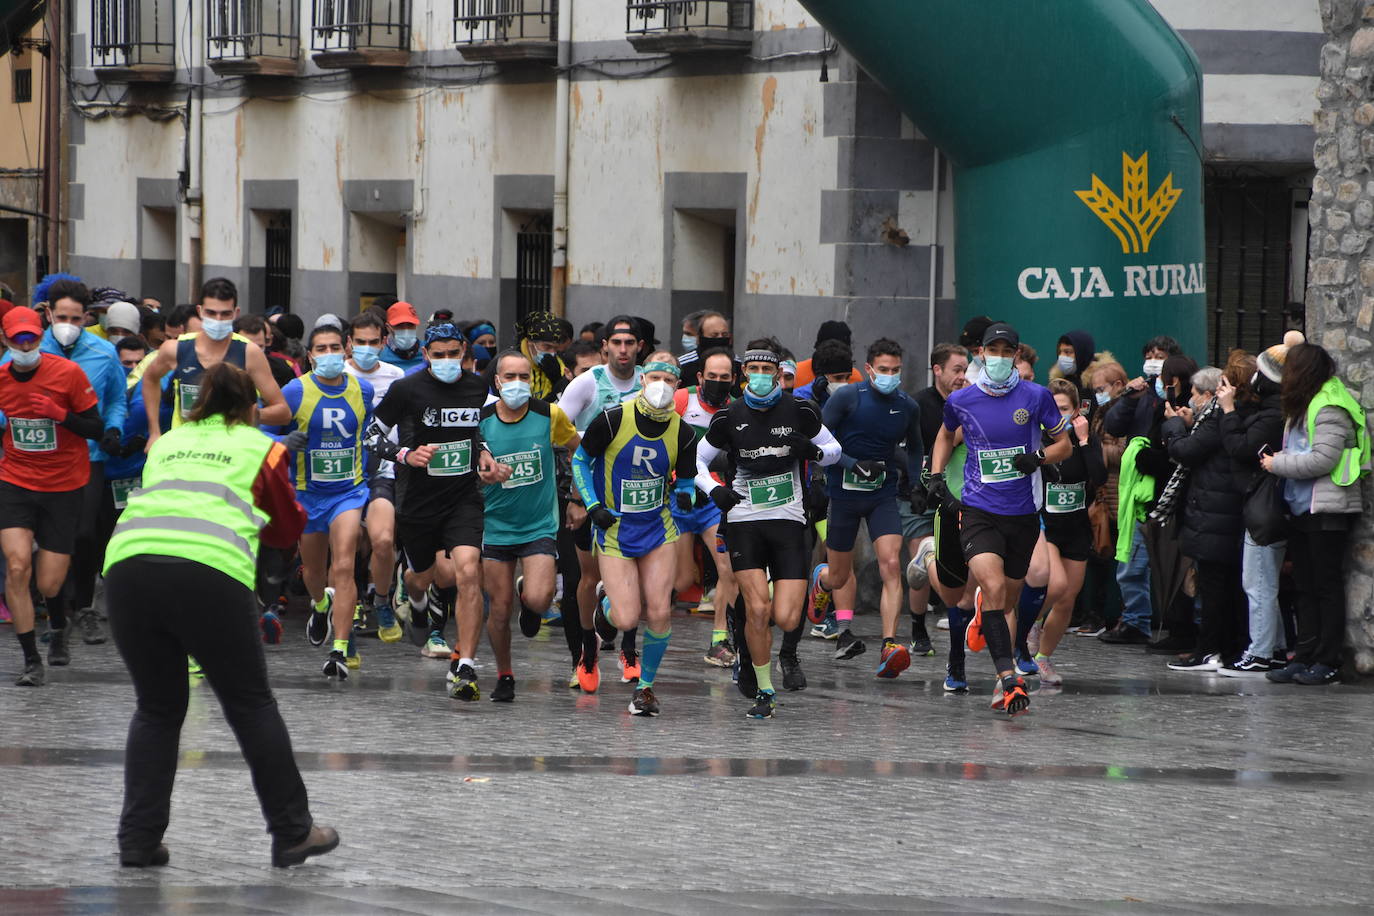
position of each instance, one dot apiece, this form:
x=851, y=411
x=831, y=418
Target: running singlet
x=524, y=508
x=871, y=426
x=596, y=390
x=186, y=376
x=335, y=416
x=41, y=454
x=426, y=411
x=996, y=430
x=767, y=469
x=381, y=378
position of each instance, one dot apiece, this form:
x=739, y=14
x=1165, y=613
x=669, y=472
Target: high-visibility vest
x=196, y=502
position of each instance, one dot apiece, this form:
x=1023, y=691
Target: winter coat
x=1334, y=433
x=1211, y=521
x=1247, y=429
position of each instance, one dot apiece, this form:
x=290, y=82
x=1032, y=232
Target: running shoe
x=33, y=675
x=1090, y=630
x=973, y=634
x=817, y=598
x=1249, y=666
x=1207, y=664
x=463, y=683
x=793, y=678
x=1049, y=677
x=1033, y=638
x=5, y=616
x=530, y=621
x=319, y=622
x=336, y=666
x=893, y=660
x=92, y=633
x=553, y=617
x=955, y=681
x=505, y=689
x=1026, y=666
x=644, y=702
x=588, y=675
x=602, y=623
x=388, y=629
x=918, y=570
x=355, y=659
x=922, y=648
x=764, y=704
x=847, y=646
x=572, y=678
x=364, y=620
x=1010, y=695
x=720, y=655
x=270, y=622
x=58, y=653
x=193, y=668
x=1317, y=675
x=1287, y=674
x=629, y=666
x=707, y=604
x=829, y=628
x=435, y=646
x=942, y=622
x=690, y=599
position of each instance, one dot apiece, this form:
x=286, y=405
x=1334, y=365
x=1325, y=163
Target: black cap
x=631, y=323
x=1001, y=331
x=974, y=330
x=647, y=331
x=834, y=330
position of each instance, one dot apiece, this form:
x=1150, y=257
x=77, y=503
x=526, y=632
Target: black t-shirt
x=932, y=405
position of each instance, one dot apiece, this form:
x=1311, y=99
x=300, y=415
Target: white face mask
x=659, y=394
x=1153, y=367
x=66, y=334
x=1067, y=365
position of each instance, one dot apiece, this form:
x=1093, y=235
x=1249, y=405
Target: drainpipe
x=52, y=158
x=933, y=292
x=558, y=293
x=1074, y=131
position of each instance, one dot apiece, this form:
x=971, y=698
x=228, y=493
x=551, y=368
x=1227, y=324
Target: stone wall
x=1340, y=293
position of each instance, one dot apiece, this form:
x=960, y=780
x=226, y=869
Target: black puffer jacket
x=1247, y=429
x=1210, y=514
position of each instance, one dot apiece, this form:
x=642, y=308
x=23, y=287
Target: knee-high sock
x=958, y=622
x=792, y=638
x=655, y=644
x=1027, y=610
x=998, y=637
x=629, y=638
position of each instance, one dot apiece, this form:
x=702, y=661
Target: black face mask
x=710, y=343
x=715, y=392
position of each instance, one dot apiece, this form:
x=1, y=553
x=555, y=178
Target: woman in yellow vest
x=179, y=577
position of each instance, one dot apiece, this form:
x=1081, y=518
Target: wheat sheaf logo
x=1136, y=215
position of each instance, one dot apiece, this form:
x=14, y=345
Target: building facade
x=22, y=87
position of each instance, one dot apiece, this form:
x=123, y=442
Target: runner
x=51, y=410
x=521, y=513
x=330, y=415
x=366, y=336
x=439, y=454
x=870, y=420
x=767, y=438
x=1001, y=417
x=622, y=471
x=402, y=348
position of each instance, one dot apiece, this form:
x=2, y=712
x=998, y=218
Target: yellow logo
x=1136, y=216
x=1022, y=416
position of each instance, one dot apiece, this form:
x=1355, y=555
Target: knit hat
x=834, y=330
x=1271, y=360
x=328, y=319
x=123, y=315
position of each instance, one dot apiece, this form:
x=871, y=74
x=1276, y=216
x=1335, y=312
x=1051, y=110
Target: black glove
x=602, y=517
x=548, y=364
x=111, y=442
x=937, y=492
x=868, y=469
x=820, y=388
x=684, y=500
x=296, y=440
x=919, y=499
x=725, y=498
x=804, y=448
x=1028, y=464
x=134, y=446
x=817, y=499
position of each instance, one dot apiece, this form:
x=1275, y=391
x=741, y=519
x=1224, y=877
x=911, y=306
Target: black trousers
x=1225, y=627
x=1318, y=555
x=572, y=577
x=162, y=610
x=97, y=523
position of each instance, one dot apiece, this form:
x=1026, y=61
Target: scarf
x=1167, y=502
x=649, y=412
x=999, y=390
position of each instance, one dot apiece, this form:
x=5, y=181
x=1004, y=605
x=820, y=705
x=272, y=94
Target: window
x=277, y=261
x=23, y=86
x=533, y=265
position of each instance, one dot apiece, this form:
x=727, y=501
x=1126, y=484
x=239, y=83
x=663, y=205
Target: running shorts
x=880, y=512
x=1011, y=537
x=699, y=520
x=950, y=564
x=915, y=527
x=322, y=508
x=422, y=539
x=1071, y=533
x=52, y=517
x=776, y=545
x=636, y=534
x=509, y=554
x=384, y=488
x=582, y=536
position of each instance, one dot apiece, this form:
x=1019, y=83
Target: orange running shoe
x=629, y=666
x=894, y=659
x=1011, y=696
x=588, y=676
x=973, y=636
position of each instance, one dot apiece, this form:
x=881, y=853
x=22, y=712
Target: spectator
x=833, y=331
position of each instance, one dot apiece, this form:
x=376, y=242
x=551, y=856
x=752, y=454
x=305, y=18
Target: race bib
x=771, y=492
x=1061, y=498
x=189, y=393
x=122, y=488
x=852, y=481
x=642, y=495
x=34, y=435
x=452, y=459
x=328, y=465
x=526, y=468
x=995, y=465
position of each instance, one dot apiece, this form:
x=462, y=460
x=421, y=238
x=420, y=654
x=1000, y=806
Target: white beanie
x=125, y=316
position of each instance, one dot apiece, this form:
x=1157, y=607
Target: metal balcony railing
x=251, y=30
x=131, y=33
x=352, y=25
x=646, y=17
x=482, y=21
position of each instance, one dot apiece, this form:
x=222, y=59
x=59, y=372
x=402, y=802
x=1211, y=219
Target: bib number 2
x=771, y=492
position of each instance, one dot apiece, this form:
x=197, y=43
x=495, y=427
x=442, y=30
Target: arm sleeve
x=831, y=452
x=706, y=453
x=915, y=444
x=594, y=442
x=274, y=494
x=577, y=397
x=686, y=468
x=116, y=405
x=378, y=439
x=87, y=424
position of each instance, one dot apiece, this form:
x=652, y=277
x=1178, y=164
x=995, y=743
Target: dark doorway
x=277, y=262
x=533, y=265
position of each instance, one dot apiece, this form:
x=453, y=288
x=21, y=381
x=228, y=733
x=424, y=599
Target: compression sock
x=420, y=603
x=719, y=636
x=57, y=610
x=999, y=638
x=29, y=643
x=844, y=618
x=629, y=639
x=590, y=644
x=341, y=645
x=918, y=626
x=792, y=638
x=655, y=645
x=764, y=674
x=1027, y=611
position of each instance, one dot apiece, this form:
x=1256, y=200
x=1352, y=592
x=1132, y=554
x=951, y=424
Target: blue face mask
x=404, y=339
x=688, y=343
x=761, y=383
x=515, y=394
x=886, y=384
x=1159, y=388
x=215, y=329
x=1067, y=365
x=446, y=370
x=366, y=357
x=1103, y=398
x=481, y=354
x=329, y=365
x=998, y=368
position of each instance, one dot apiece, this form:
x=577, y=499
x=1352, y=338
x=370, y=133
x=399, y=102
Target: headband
x=669, y=368
x=443, y=331
x=759, y=356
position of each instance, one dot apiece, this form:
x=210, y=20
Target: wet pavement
x=1132, y=789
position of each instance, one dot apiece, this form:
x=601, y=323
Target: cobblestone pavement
x=1132, y=789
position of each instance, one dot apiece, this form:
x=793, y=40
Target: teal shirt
x=524, y=508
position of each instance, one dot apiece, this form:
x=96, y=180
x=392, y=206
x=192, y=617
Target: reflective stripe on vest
x=208, y=489
x=189, y=526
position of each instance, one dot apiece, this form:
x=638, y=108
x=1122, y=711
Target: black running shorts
x=52, y=517
x=422, y=539
x=776, y=545
x=950, y=564
x=1011, y=537
x=1071, y=533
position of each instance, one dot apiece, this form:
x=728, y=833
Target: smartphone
x=1263, y=450
x=1085, y=406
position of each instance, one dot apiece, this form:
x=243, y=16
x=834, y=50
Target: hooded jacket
x=1084, y=349
x=1212, y=520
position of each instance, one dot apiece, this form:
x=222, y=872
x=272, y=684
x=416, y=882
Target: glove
x=867, y=469
x=548, y=364
x=937, y=492
x=135, y=446
x=1028, y=464
x=111, y=443
x=804, y=448
x=684, y=500
x=296, y=440
x=43, y=407
x=602, y=517
x=919, y=499
x=725, y=498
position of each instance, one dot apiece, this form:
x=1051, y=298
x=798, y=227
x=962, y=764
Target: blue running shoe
x=271, y=627
x=955, y=681
x=829, y=628
x=388, y=629
x=1026, y=667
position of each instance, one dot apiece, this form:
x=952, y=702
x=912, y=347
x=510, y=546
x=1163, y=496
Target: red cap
x=402, y=313
x=21, y=321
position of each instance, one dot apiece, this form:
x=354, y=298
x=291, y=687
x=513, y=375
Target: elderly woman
x=1212, y=523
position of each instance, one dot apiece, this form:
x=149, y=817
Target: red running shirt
x=42, y=454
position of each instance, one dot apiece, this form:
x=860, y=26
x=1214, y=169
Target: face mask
x=761, y=383
x=1153, y=367
x=216, y=329
x=1103, y=398
x=1067, y=365
x=658, y=395
x=688, y=343
x=548, y=364
x=836, y=386
x=66, y=334
x=998, y=368
x=366, y=357
x=710, y=343
x=886, y=384
x=103, y=319
x=481, y=354
x=329, y=365
x=715, y=391
x=24, y=360
x=515, y=394
x=1159, y=388
x=446, y=370
x=404, y=340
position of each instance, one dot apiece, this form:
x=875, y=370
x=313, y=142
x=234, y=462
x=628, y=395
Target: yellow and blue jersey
x=335, y=416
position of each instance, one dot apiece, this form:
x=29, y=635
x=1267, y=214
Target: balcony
x=252, y=37
x=361, y=33
x=690, y=26
x=131, y=40
x=506, y=31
